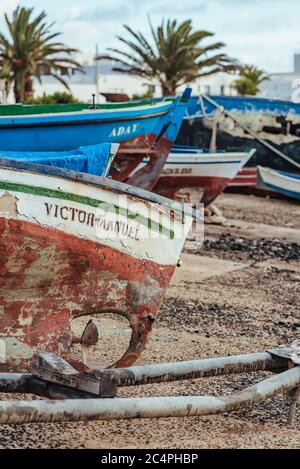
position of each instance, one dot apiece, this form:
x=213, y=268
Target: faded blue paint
x=243, y=105
x=92, y=159
x=66, y=131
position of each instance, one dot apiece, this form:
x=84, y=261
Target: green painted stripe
x=32, y=109
x=52, y=193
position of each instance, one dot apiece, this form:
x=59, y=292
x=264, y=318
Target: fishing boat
x=189, y=167
x=140, y=127
x=275, y=121
x=280, y=182
x=65, y=127
x=92, y=159
x=74, y=244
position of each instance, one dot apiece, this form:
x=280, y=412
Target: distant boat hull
x=246, y=178
x=276, y=121
x=210, y=172
x=277, y=181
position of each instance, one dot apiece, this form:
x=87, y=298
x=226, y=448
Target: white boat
x=279, y=181
x=189, y=167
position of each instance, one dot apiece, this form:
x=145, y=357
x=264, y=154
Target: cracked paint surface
x=56, y=264
x=60, y=277
x=8, y=204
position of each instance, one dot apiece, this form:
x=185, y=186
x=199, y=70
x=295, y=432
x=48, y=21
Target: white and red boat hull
x=211, y=172
x=78, y=245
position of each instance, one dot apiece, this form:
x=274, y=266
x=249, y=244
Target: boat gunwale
x=103, y=183
x=61, y=123
x=209, y=158
x=81, y=107
x=279, y=174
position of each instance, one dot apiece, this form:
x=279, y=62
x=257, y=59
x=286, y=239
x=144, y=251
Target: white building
x=283, y=85
x=84, y=85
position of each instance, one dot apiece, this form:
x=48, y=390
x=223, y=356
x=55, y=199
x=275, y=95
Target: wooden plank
x=52, y=368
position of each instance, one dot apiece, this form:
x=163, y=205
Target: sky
x=261, y=32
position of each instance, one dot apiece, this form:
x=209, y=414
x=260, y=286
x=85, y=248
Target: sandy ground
x=220, y=302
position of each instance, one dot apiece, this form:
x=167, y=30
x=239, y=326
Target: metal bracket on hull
x=52, y=368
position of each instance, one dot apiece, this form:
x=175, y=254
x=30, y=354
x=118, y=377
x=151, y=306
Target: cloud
x=251, y=2
x=100, y=14
x=264, y=32
x=170, y=8
x=7, y=6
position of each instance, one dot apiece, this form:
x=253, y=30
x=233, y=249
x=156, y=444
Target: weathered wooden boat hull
x=77, y=245
x=278, y=122
x=244, y=105
x=210, y=172
x=279, y=182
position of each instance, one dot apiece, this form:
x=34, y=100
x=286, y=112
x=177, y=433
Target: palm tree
x=250, y=79
x=5, y=78
x=175, y=56
x=31, y=49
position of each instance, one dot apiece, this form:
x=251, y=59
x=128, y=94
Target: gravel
x=248, y=310
x=257, y=249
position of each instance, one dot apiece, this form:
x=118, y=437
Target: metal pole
x=97, y=74
x=253, y=134
x=129, y=408
x=164, y=372
x=192, y=369
x=295, y=401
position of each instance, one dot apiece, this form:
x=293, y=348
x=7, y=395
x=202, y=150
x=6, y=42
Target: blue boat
x=275, y=121
x=201, y=107
x=95, y=160
x=63, y=127
x=140, y=127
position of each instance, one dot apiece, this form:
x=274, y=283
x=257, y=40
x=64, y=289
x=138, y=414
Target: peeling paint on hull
x=55, y=266
x=60, y=277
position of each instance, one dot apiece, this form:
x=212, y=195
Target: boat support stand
x=90, y=395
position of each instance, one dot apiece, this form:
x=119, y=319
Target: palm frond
x=175, y=54
x=32, y=46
